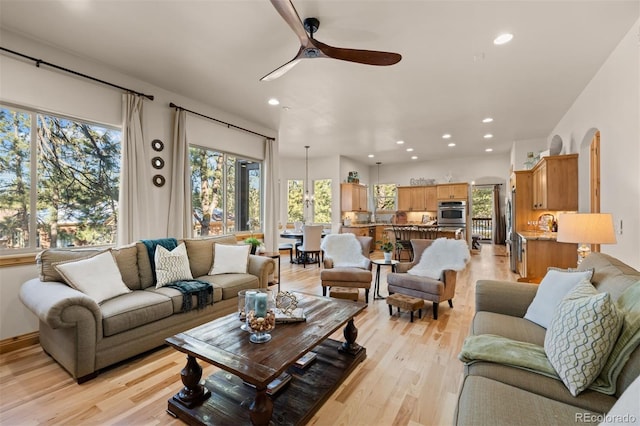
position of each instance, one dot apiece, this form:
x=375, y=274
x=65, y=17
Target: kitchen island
x=541, y=250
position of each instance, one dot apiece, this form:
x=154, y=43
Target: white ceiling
x=451, y=75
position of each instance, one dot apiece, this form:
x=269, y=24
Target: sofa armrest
x=261, y=267
x=58, y=305
x=504, y=297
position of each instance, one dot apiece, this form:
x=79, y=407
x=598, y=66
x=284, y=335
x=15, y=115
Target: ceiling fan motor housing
x=311, y=25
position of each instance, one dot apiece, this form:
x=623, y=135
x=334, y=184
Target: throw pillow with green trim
x=581, y=336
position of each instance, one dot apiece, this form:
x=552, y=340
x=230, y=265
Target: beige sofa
x=84, y=337
x=497, y=394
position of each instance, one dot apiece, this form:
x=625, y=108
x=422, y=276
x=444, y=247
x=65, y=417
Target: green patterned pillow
x=581, y=336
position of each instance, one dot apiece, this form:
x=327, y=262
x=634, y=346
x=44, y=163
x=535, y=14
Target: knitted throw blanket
x=168, y=243
x=188, y=288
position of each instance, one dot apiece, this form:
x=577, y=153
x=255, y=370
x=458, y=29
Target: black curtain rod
x=58, y=67
x=229, y=125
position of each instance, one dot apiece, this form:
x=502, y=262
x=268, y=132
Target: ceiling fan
x=312, y=48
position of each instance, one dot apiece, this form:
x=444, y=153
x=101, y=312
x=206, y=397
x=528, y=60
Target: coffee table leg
x=193, y=392
x=261, y=408
x=350, y=335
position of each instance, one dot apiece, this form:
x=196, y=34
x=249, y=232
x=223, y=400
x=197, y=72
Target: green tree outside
x=322, y=201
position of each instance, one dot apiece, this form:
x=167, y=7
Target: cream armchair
x=335, y=275
x=424, y=288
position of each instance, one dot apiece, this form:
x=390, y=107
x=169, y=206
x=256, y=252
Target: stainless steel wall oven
x=452, y=213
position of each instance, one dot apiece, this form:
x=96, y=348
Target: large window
x=226, y=192
x=384, y=197
x=322, y=201
x=294, y=201
x=59, y=181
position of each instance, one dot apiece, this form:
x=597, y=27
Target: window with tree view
x=322, y=201
x=384, y=196
x=294, y=200
x=59, y=181
x=225, y=192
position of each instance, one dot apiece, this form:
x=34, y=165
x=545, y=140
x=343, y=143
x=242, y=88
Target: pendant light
x=308, y=199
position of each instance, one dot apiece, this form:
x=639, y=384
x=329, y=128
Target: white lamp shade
x=587, y=228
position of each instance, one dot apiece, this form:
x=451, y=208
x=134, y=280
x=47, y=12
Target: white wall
x=611, y=104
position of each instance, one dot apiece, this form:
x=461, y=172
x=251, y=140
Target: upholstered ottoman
x=407, y=303
x=344, y=293
x=347, y=277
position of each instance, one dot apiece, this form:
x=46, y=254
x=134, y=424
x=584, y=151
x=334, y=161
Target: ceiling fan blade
x=368, y=57
x=290, y=15
x=283, y=68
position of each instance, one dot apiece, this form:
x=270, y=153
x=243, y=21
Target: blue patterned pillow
x=581, y=336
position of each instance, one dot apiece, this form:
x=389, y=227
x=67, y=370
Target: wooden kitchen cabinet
x=453, y=191
x=417, y=198
x=353, y=197
x=542, y=254
x=555, y=183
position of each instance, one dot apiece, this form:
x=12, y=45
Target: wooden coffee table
x=225, y=399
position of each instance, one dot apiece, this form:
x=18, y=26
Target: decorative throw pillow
x=230, y=259
x=553, y=287
x=581, y=336
x=98, y=276
x=171, y=265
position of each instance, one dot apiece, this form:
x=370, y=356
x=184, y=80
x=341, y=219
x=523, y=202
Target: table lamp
x=585, y=229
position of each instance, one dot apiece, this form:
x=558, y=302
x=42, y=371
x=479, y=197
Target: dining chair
x=311, y=239
x=403, y=240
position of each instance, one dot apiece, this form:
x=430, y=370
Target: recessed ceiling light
x=414, y=157
x=409, y=149
x=446, y=136
x=451, y=144
x=487, y=120
x=489, y=150
x=274, y=101
x=488, y=136
x=400, y=142
x=370, y=155
x=503, y=38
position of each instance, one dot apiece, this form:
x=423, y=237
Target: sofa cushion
x=507, y=326
x=127, y=259
x=176, y=296
x=484, y=401
x=133, y=310
x=553, y=287
x=231, y=284
x=581, y=335
x=611, y=275
x=46, y=258
x=98, y=276
x=230, y=259
x=346, y=275
x=200, y=252
x=415, y=282
x=549, y=387
x=171, y=266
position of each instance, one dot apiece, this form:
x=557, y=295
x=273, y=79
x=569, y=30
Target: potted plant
x=255, y=243
x=387, y=247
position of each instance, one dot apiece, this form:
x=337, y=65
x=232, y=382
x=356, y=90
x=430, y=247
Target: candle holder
x=261, y=318
x=248, y=297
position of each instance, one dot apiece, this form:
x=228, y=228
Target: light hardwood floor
x=411, y=375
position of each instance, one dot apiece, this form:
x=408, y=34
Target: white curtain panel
x=180, y=222
x=133, y=202
x=271, y=184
